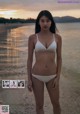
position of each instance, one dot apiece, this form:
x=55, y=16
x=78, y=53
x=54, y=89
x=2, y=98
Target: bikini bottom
x=44, y=78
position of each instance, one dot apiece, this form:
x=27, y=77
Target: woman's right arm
x=30, y=57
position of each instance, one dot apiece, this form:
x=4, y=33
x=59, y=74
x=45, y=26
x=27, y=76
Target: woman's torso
x=45, y=58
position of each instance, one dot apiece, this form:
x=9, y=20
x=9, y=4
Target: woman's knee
x=57, y=108
x=56, y=105
x=39, y=103
x=39, y=106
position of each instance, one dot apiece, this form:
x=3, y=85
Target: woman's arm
x=30, y=56
x=59, y=55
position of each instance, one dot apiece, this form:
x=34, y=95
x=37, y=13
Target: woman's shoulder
x=32, y=37
x=58, y=37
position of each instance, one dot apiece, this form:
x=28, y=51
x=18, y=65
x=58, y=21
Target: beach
x=12, y=25
x=13, y=66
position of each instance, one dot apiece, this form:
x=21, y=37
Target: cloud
x=37, y=5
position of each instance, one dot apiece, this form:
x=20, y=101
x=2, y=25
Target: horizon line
x=35, y=18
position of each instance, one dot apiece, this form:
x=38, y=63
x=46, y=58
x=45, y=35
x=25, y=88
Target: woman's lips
x=45, y=27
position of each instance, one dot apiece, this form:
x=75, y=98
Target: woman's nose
x=45, y=23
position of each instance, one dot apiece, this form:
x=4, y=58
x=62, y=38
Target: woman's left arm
x=59, y=55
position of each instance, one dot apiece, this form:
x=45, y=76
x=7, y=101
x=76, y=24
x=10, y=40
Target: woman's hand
x=56, y=82
x=29, y=85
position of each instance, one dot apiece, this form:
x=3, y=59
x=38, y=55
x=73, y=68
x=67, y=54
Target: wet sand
x=11, y=25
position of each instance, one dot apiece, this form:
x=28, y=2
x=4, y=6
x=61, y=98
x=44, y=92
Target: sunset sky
x=31, y=8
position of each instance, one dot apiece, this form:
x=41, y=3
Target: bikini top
x=40, y=47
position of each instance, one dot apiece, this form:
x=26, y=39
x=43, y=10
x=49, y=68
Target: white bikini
x=40, y=47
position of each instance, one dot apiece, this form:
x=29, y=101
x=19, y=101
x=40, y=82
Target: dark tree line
x=18, y=20
x=63, y=19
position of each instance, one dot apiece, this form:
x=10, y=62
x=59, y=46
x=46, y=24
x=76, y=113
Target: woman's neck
x=46, y=32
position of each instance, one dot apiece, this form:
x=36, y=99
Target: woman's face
x=45, y=23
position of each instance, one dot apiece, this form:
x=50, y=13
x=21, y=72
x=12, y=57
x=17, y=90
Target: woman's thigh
x=38, y=90
x=53, y=92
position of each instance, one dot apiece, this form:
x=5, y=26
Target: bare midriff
x=45, y=63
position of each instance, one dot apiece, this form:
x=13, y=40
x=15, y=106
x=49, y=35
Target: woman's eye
x=45, y=21
x=48, y=20
x=42, y=20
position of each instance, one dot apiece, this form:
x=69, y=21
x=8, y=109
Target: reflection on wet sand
x=13, y=45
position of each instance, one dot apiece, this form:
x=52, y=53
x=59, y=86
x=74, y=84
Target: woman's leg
x=38, y=90
x=54, y=96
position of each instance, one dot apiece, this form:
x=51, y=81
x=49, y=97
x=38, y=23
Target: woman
x=47, y=46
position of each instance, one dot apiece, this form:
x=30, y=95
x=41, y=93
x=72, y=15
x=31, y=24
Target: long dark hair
x=50, y=17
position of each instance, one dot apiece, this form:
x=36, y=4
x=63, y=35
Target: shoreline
x=12, y=25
